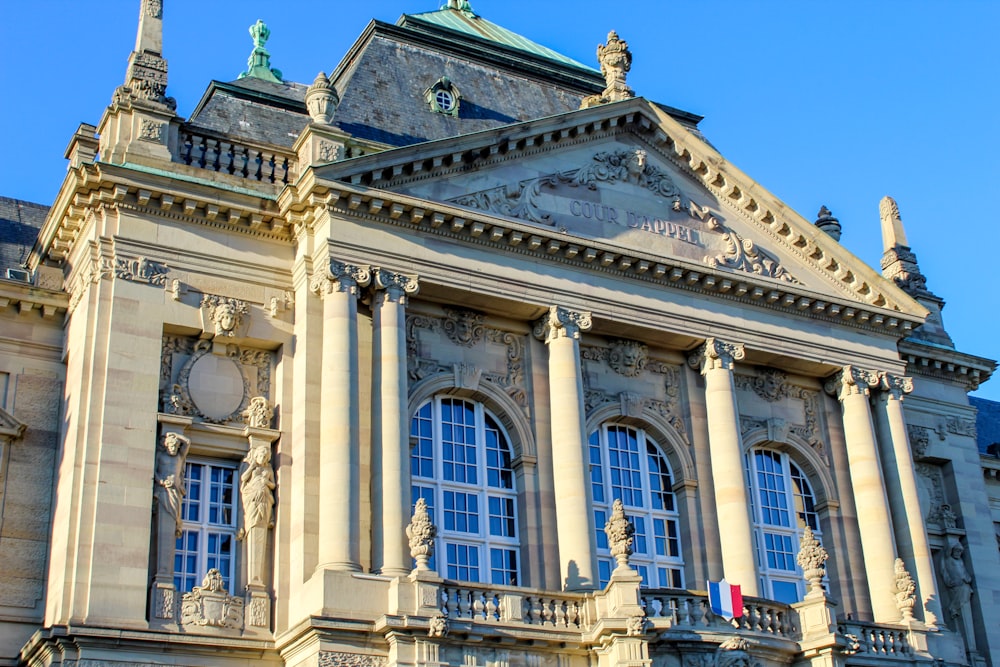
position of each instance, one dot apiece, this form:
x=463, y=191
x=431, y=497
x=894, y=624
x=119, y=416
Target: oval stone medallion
x=216, y=386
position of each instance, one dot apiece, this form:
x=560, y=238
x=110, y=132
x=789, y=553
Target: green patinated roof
x=477, y=26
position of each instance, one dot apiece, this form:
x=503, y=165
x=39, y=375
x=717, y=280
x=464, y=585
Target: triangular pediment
x=631, y=177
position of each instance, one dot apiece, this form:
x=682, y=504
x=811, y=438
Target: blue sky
x=823, y=103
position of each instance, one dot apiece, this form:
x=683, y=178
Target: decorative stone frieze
x=812, y=559
x=463, y=327
x=421, y=532
x=742, y=254
x=171, y=457
x=226, y=315
x=561, y=323
x=920, y=438
x=151, y=130
x=715, y=354
x=627, y=357
x=621, y=533
x=259, y=413
x=905, y=590
x=211, y=605
x=339, y=659
x=851, y=380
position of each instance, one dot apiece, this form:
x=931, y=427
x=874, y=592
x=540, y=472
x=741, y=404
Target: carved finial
x=259, y=62
x=146, y=77
x=322, y=100
x=905, y=590
x=462, y=6
x=827, y=223
x=620, y=532
x=421, y=533
x=616, y=61
x=899, y=263
x=812, y=558
x=258, y=413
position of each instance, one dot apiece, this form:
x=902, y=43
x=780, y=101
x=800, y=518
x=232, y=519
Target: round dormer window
x=445, y=101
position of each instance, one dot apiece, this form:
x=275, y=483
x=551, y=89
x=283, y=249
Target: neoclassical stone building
x=466, y=355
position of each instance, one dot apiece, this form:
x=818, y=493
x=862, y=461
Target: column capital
x=396, y=287
x=851, y=380
x=716, y=354
x=340, y=277
x=561, y=322
x=894, y=386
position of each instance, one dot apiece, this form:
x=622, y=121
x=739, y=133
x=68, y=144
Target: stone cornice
x=674, y=143
x=310, y=196
x=941, y=363
x=26, y=299
x=156, y=195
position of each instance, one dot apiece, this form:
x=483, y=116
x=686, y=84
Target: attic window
x=443, y=97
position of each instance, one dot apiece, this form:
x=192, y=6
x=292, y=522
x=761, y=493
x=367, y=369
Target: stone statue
x=171, y=458
x=957, y=579
x=616, y=61
x=421, y=533
x=812, y=559
x=257, y=493
x=620, y=532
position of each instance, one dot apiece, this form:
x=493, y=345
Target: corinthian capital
x=895, y=385
x=851, y=380
x=340, y=277
x=561, y=323
x=395, y=287
x=715, y=354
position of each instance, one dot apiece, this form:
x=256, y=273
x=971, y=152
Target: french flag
x=725, y=599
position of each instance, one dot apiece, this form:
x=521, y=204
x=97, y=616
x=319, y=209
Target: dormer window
x=443, y=97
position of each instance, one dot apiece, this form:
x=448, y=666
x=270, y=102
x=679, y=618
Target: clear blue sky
x=823, y=103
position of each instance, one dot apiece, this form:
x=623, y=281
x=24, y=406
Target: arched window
x=625, y=463
x=460, y=464
x=783, y=505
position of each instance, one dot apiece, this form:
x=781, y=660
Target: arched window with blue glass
x=627, y=463
x=461, y=465
x=783, y=504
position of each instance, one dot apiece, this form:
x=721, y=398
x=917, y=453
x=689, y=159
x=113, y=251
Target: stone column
x=851, y=386
x=390, y=424
x=901, y=484
x=715, y=360
x=560, y=329
x=339, y=490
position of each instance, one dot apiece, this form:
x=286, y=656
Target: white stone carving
x=438, y=626
x=142, y=270
x=621, y=533
x=636, y=626
x=226, y=314
x=957, y=579
x=171, y=457
x=627, y=357
x=463, y=327
x=421, y=532
x=211, y=605
x=259, y=413
x=338, y=659
x=257, y=494
x=150, y=130
x=812, y=559
x=715, y=354
x=322, y=101
x=561, y=322
x=905, y=590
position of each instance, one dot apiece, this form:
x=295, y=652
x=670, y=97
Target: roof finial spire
x=899, y=264
x=259, y=62
x=146, y=78
x=616, y=61
x=461, y=6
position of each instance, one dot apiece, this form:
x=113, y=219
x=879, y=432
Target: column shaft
x=911, y=535
x=390, y=441
x=574, y=516
x=715, y=359
x=874, y=522
x=339, y=491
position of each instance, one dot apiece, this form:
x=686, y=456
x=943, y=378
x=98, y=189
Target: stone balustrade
x=686, y=610
x=499, y=604
x=205, y=150
x=876, y=641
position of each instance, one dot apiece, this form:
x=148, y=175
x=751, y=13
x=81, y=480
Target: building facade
x=466, y=355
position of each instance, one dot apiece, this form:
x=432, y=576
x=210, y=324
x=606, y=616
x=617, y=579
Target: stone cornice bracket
x=397, y=287
x=561, y=322
x=895, y=385
x=715, y=354
x=341, y=277
x=851, y=380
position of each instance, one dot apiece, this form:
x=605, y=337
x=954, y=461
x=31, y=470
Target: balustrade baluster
x=453, y=610
x=573, y=614
x=271, y=163
x=216, y=153
x=284, y=171
x=188, y=146
x=203, y=150
x=536, y=610
x=560, y=614
x=231, y=162
x=246, y=162
x=478, y=605
x=260, y=162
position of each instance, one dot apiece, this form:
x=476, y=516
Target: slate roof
x=987, y=422
x=254, y=110
x=20, y=222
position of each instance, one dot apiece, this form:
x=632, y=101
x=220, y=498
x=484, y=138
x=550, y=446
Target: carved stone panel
x=768, y=400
